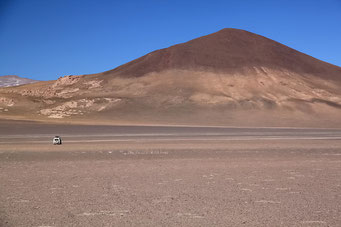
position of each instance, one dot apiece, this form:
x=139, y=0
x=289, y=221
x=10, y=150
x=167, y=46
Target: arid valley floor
x=168, y=176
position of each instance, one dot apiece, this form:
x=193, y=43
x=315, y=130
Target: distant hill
x=231, y=77
x=12, y=80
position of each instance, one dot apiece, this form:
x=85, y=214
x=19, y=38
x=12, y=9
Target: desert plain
x=168, y=176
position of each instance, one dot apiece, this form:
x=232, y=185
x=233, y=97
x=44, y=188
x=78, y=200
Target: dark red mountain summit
x=227, y=51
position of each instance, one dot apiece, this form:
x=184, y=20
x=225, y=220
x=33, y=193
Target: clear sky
x=45, y=39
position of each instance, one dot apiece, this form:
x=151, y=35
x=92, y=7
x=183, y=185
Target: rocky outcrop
x=79, y=107
x=65, y=81
x=6, y=101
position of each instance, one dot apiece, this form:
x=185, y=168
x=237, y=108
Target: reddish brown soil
x=228, y=51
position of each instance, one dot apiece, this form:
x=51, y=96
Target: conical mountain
x=227, y=51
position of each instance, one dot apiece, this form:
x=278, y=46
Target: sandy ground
x=169, y=176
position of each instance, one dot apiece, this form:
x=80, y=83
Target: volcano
x=228, y=51
x=231, y=77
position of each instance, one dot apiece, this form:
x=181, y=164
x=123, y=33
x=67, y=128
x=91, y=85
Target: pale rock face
x=3, y=109
x=66, y=80
x=61, y=88
x=10, y=81
x=67, y=93
x=49, y=102
x=79, y=107
x=94, y=83
x=6, y=101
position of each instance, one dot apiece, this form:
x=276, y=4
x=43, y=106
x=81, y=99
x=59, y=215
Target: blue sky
x=45, y=39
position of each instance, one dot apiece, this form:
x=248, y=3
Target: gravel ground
x=173, y=182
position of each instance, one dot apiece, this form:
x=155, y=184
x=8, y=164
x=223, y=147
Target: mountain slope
x=228, y=51
x=232, y=77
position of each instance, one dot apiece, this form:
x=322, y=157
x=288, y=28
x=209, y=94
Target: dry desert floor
x=168, y=176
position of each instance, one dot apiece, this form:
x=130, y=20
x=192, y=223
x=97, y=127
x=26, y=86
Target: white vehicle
x=57, y=140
